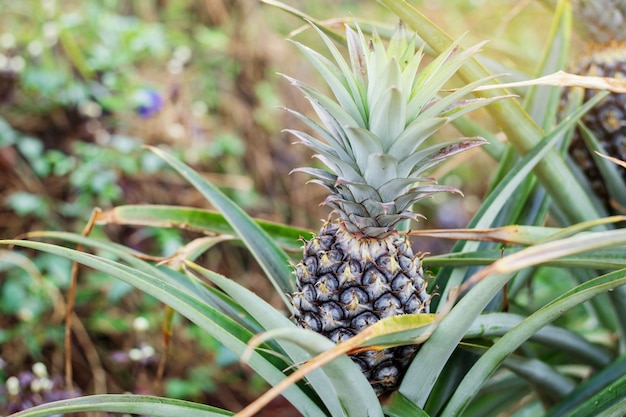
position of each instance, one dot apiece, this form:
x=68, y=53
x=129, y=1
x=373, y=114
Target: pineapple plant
x=477, y=361
x=359, y=268
x=601, y=23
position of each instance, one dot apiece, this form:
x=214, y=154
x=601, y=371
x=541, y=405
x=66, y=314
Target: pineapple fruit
x=359, y=268
x=602, y=23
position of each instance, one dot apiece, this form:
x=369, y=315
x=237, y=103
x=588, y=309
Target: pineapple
x=360, y=268
x=602, y=23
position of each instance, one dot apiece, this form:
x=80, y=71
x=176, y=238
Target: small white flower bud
x=147, y=351
x=46, y=384
x=141, y=324
x=90, y=109
x=25, y=315
x=176, y=131
x=35, y=385
x=4, y=62
x=135, y=354
x=13, y=385
x=174, y=66
x=35, y=48
x=199, y=108
x=7, y=40
x=40, y=370
x=50, y=33
x=49, y=7
x=182, y=54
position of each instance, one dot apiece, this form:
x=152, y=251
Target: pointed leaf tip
x=458, y=147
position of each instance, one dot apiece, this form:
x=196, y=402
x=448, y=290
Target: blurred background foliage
x=84, y=84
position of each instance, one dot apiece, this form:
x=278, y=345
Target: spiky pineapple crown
x=374, y=130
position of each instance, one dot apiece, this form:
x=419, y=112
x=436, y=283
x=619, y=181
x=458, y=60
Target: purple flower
x=148, y=102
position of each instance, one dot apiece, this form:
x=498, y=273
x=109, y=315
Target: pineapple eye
x=301, y=303
x=388, y=305
x=401, y=245
x=383, y=261
x=354, y=300
x=347, y=275
x=328, y=261
x=314, y=246
x=365, y=369
x=374, y=283
x=388, y=263
x=311, y=265
x=405, y=352
x=413, y=305
x=355, y=267
x=403, y=288
x=352, y=295
x=376, y=358
x=400, y=282
x=331, y=316
x=340, y=335
x=308, y=291
x=373, y=276
x=406, y=263
x=303, y=274
x=326, y=241
x=334, y=255
x=386, y=374
x=326, y=287
x=363, y=320
x=611, y=119
x=309, y=321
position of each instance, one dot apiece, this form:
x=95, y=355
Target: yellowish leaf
x=357, y=343
x=614, y=160
x=565, y=79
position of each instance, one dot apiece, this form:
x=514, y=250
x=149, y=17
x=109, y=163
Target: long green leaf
x=494, y=326
x=270, y=257
x=617, y=407
x=125, y=404
x=611, y=401
x=504, y=191
x=183, y=300
x=354, y=393
x=611, y=173
x=134, y=259
x=589, y=388
x=489, y=362
x=501, y=395
x=199, y=220
x=400, y=406
x=541, y=376
x=520, y=129
x=331, y=385
x=433, y=355
x=542, y=102
x=604, y=260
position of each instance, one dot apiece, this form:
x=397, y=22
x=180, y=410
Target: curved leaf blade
x=354, y=393
x=525, y=135
x=200, y=220
x=589, y=388
x=489, y=362
x=129, y=404
x=184, y=299
x=431, y=358
x=329, y=388
x=400, y=406
x=273, y=261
